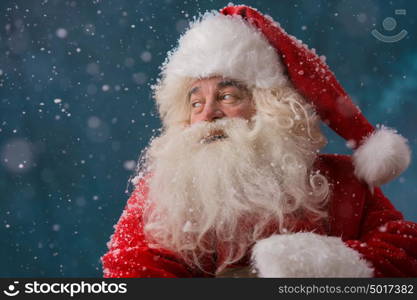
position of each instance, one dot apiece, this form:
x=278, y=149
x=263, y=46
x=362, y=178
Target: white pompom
x=382, y=157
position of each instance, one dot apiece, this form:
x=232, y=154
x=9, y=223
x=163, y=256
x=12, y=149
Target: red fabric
x=367, y=222
x=129, y=254
x=311, y=77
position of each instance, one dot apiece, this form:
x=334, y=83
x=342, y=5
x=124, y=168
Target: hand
x=307, y=254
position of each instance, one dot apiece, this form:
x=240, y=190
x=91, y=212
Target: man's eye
x=227, y=97
x=195, y=104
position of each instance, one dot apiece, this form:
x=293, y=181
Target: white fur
x=261, y=174
x=382, y=157
x=307, y=254
x=218, y=45
x=228, y=46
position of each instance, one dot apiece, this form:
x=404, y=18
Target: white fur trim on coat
x=307, y=254
x=383, y=156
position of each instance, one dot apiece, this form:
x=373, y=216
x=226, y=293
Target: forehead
x=217, y=82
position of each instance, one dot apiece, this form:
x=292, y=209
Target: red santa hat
x=241, y=43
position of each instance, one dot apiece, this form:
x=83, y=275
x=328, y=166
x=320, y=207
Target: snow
x=62, y=33
x=351, y=144
x=89, y=29
x=17, y=155
x=76, y=108
x=146, y=56
x=187, y=227
x=93, y=122
x=362, y=17
x=129, y=165
x=382, y=228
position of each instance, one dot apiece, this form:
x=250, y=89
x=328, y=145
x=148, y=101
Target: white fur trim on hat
x=382, y=157
x=226, y=46
x=307, y=254
x=218, y=45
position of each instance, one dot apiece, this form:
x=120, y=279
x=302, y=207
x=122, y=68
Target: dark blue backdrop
x=76, y=109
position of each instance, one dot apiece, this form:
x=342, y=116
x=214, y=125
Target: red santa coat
x=365, y=220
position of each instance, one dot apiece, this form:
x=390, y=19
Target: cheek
x=194, y=119
x=245, y=111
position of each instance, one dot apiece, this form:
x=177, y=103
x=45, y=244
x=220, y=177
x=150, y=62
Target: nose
x=212, y=112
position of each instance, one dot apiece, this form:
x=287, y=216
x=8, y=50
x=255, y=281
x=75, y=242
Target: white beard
x=259, y=174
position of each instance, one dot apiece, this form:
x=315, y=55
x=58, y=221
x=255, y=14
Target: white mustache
x=209, y=132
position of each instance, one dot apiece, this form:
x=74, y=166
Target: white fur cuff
x=307, y=254
x=382, y=157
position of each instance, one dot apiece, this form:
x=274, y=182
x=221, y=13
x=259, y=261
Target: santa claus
x=235, y=186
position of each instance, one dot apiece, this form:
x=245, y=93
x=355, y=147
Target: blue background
x=76, y=109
